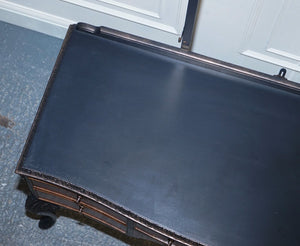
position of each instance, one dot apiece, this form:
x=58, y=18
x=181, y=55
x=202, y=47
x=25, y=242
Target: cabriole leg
x=45, y=210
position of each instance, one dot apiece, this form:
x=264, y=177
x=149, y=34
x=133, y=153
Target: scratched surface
x=26, y=61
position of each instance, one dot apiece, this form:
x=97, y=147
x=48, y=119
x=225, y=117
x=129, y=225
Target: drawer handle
x=78, y=199
x=170, y=242
x=81, y=208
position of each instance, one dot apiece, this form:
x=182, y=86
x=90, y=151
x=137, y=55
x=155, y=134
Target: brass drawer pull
x=81, y=208
x=170, y=242
x=78, y=199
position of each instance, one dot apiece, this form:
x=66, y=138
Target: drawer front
x=83, y=205
x=71, y=200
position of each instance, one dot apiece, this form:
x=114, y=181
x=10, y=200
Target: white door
x=160, y=20
x=259, y=34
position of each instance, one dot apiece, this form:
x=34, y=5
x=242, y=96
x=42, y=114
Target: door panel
x=258, y=34
x=272, y=40
x=160, y=20
x=161, y=14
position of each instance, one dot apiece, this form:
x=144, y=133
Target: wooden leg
x=45, y=210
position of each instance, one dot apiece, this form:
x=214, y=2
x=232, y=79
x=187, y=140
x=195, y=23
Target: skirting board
x=33, y=19
x=56, y=26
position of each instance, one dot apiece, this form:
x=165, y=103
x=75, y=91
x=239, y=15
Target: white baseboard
x=33, y=19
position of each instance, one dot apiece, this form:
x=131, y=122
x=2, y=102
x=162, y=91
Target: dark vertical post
x=188, y=30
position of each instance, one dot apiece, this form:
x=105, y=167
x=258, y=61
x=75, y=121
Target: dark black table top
x=212, y=156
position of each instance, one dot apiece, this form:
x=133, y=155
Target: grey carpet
x=26, y=61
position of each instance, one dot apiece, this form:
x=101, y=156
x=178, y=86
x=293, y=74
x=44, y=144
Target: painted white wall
x=160, y=20
x=259, y=34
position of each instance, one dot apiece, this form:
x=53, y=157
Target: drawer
x=71, y=200
x=143, y=232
